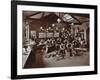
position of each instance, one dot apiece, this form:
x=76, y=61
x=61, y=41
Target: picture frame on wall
x=53, y=39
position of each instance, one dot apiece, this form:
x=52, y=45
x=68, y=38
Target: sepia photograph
x=55, y=39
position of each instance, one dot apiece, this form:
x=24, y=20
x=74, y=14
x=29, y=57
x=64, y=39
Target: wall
x=5, y=40
x=82, y=27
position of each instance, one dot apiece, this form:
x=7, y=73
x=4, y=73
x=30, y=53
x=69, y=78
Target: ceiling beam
x=33, y=14
x=33, y=19
x=42, y=15
x=75, y=19
x=81, y=15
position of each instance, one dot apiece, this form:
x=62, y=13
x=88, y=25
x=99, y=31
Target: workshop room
x=55, y=39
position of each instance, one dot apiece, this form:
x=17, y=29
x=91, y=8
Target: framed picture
x=53, y=39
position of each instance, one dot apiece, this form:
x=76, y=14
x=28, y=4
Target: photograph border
x=14, y=4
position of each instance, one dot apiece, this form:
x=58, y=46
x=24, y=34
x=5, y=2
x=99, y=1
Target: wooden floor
x=36, y=60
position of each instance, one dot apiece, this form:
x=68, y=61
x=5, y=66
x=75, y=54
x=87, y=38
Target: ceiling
x=66, y=17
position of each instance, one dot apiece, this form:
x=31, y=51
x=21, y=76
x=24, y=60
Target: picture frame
x=18, y=8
